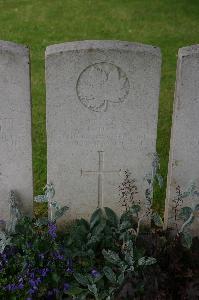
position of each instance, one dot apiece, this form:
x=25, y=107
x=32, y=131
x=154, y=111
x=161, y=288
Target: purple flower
x=57, y=255
x=41, y=256
x=4, y=257
x=11, y=287
x=69, y=266
x=66, y=286
x=52, y=293
x=52, y=229
x=32, y=275
x=20, y=286
x=31, y=291
x=95, y=273
x=3, y=260
x=33, y=283
x=43, y=272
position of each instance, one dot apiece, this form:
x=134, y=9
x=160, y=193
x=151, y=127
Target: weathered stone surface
x=102, y=108
x=184, y=151
x=15, y=127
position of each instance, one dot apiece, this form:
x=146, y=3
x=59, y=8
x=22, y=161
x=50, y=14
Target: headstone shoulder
x=103, y=45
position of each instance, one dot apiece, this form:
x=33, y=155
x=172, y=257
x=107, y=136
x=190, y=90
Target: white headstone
x=15, y=127
x=102, y=108
x=184, y=151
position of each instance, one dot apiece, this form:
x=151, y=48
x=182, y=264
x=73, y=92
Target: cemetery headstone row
x=102, y=112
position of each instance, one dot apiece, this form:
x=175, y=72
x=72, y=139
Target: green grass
x=169, y=24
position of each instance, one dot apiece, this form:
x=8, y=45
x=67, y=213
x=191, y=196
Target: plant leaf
x=60, y=212
x=135, y=209
x=185, y=213
x=92, y=288
x=96, y=217
x=111, y=215
x=99, y=228
x=159, y=179
x=110, y=275
x=120, y=278
x=157, y=219
x=40, y=199
x=73, y=291
x=41, y=222
x=186, y=240
x=146, y=261
x=112, y=257
x=81, y=279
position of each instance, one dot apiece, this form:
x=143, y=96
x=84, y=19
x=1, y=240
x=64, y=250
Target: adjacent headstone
x=15, y=127
x=184, y=151
x=102, y=109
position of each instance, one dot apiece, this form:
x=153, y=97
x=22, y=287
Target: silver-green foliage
x=14, y=216
x=188, y=213
x=55, y=210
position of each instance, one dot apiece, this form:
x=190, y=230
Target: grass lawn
x=169, y=24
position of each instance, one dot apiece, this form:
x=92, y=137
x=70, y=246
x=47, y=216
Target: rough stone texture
x=15, y=127
x=184, y=151
x=102, y=108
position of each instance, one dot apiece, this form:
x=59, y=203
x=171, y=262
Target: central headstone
x=102, y=109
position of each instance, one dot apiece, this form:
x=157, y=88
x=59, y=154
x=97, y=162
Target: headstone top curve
x=188, y=51
x=14, y=48
x=102, y=45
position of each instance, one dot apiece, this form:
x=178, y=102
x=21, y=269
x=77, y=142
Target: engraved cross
x=100, y=172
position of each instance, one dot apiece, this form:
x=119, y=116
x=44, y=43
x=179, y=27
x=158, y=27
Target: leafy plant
x=107, y=257
x=186, y=214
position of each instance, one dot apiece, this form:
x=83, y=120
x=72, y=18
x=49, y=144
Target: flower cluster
x=52, y=230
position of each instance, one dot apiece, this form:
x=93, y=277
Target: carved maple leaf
x=102, y=83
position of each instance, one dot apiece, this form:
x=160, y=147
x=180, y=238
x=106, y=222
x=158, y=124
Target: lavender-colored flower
x=57, y=255
x=69, y=266
x=11, y=287
x=20, y=286
x=52, y=229
x=3, y=260
x=31, y=291
x=95, y=273
x=32, y=275
x=3, y=256
x=33, y=283
x=66, y=286
x=43, y=272
x=41, y=256
x=52, y=294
